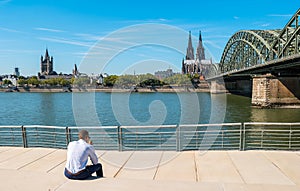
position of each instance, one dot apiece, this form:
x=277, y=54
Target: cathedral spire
x=200, y=36
x=190, y=49
x=46, y=54
x=200, y=49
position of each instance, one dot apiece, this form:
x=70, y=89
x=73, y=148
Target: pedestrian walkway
x=42, y=169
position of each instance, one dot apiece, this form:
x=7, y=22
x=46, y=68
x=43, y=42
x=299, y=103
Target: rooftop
x=42, y=169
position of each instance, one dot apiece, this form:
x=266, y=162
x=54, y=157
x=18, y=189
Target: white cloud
x=65, y=41
x=236, y=18
x=265, y=25
x=164, y=20
x=9, y=30
x=49, y=30
x=217, y=37
x=159, y=20
x=88, y=37
x=15, y=51
x=213, y=44
x=120, y=41
x=91, y=53
x=280, y=15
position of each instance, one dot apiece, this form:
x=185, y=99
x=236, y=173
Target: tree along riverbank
x=204, y=88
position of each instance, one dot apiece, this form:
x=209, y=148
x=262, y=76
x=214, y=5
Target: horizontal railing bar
x=45, y=132
x=270, y=123
x=186, y=132
x=150, y=126
x=10, y=126
x=94, y=127
x=208, y=125
x=43, y=126
x=276, y=130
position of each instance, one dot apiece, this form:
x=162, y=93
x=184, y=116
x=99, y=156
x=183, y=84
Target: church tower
x=190, y=49
x=200, y=49
x=192, y=65
x=46, y=64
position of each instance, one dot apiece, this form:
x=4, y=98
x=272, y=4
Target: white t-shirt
x=77, y=155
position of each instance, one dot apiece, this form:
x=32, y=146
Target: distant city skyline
x=70, y=28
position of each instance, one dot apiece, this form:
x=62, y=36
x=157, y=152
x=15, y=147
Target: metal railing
x=281, y=136
x=226, y=136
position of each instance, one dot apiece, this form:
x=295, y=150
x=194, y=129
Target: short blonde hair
x=83, y=134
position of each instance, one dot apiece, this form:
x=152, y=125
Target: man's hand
x=90, y=142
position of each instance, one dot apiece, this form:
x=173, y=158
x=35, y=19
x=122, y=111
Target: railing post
x=120, y=144
x=241, y=137
x=222, y=139
x=67, y=136
x=160, y=140
x=178, y=136
x=24, y=138
x=243, y=142
x=290, y=137
x=262, y=138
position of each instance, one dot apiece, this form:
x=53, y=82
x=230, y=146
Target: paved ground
x=42, y=169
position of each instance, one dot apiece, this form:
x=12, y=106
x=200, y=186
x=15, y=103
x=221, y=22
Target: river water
x=107, y=109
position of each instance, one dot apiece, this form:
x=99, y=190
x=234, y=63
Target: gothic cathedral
x=190, y=65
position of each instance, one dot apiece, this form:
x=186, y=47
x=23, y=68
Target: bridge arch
x=288, y=41
x=248, y=48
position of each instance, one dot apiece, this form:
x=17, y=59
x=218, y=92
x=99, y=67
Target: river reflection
x=275, y=115
x=57, y=109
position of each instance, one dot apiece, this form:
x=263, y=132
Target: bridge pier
x=275, y=91
x=217, y=86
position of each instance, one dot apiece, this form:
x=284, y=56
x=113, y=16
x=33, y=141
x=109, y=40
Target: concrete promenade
x=38, y=169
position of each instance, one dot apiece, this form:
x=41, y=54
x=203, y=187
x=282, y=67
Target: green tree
x=22, y=81
x=50, y=82
x=33, y=81
x=110, y=80
x=7, y=82
x=178, y=79
x=81, y=81
x=149, y=80
x=42, y=82
x=126, y=81
x=64, y=82
x=72, y=80
x=21, y=77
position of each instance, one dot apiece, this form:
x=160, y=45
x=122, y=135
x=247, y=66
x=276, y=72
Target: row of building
x=191, y=64
x=46, y=71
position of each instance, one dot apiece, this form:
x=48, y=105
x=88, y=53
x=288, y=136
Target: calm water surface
x=139, y=109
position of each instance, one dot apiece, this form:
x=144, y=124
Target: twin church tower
x=192, y=65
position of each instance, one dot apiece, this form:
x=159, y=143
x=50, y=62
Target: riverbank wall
x=92, y=89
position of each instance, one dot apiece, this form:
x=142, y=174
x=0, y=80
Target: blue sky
x=70, y=28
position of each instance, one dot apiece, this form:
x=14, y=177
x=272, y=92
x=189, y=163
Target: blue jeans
x=87, y=172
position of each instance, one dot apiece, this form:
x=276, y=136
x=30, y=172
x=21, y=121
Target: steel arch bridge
x=248, y=48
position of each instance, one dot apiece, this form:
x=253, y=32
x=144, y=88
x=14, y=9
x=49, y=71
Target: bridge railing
x=225, y=136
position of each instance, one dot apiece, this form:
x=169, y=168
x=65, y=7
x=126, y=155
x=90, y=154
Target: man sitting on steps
x=77, y=158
